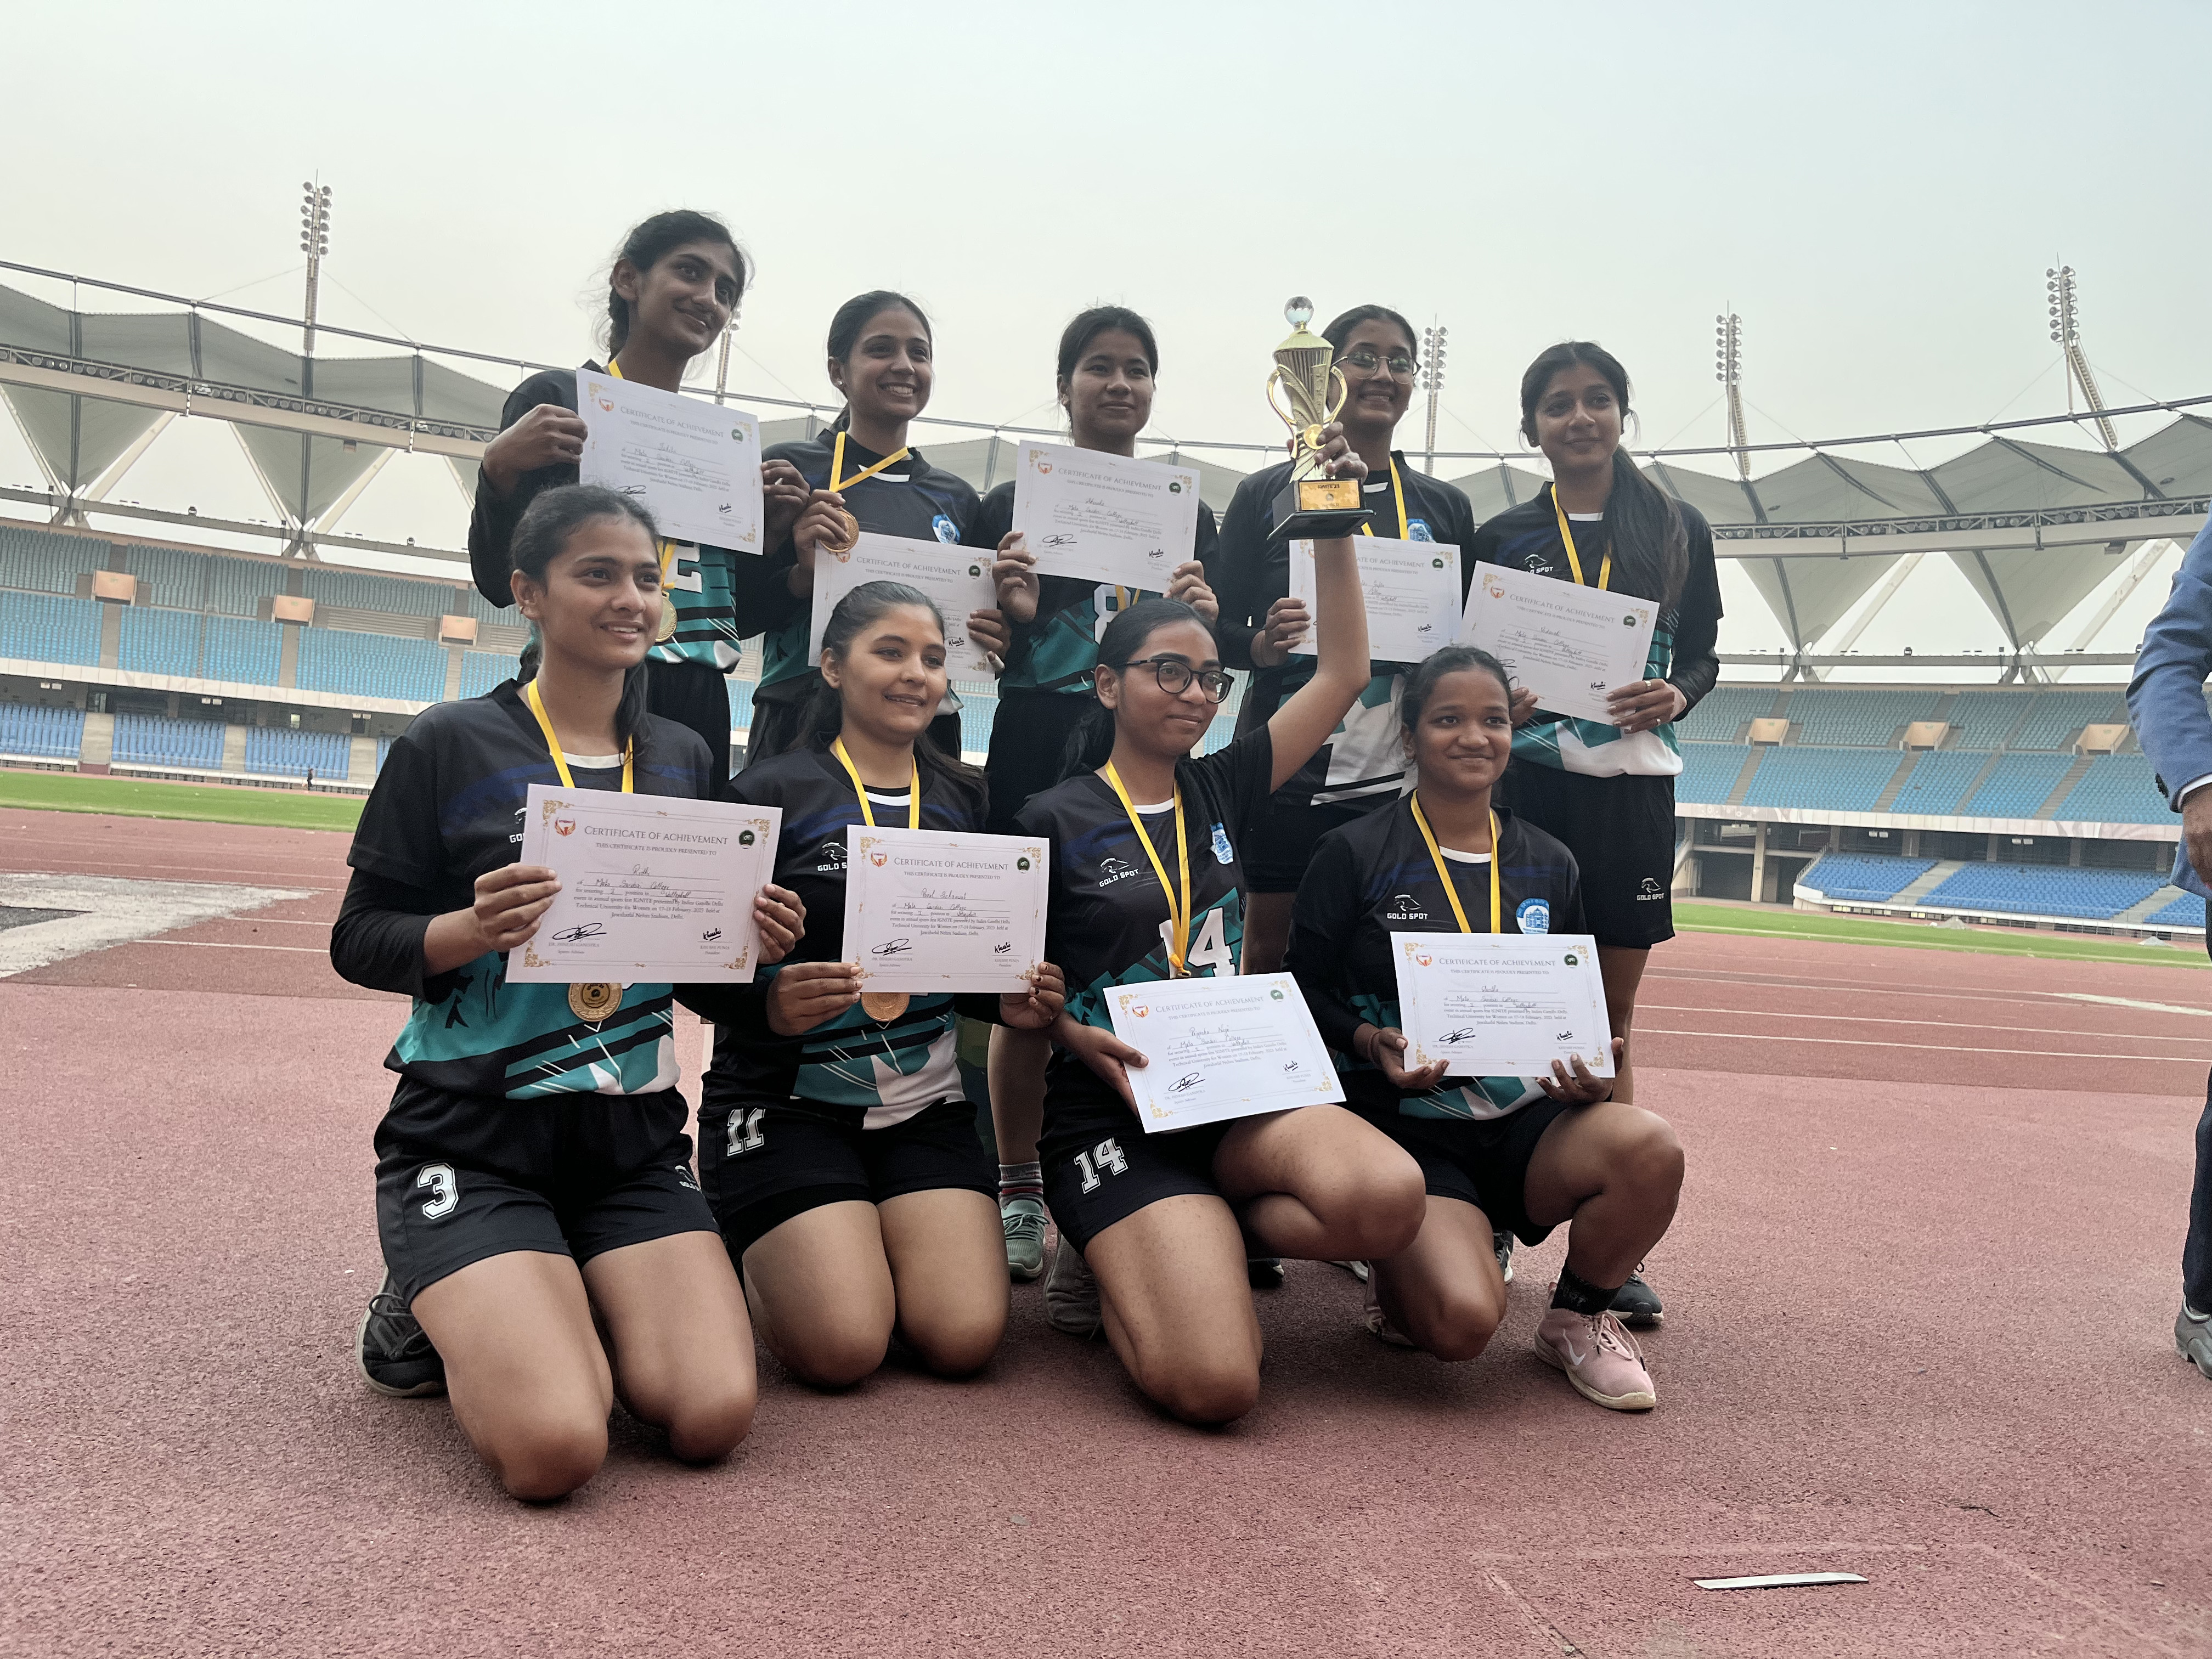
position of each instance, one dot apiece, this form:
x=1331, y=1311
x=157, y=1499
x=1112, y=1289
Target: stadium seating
x=483, y=669
x=241, y=652
x=1854, y=719
x=2020, y=785
x=741, y=703
x=39, y=733
x=2116, y=789
x=44, y=628
x=2058, y=717
x=1983, y=720
x=1832, y=780
x=383, y=748
x=47, y=561
x=371, y=666
x=1709, y=772
x=2044, y=889
x=157, y=740
x=1938, y=778
x=1863, y=878
x=355, y=591
x=172, y=579
x=160, y=641
x=1721, y=717
x=2186, y=911
x=237, y=586
x=278, y=751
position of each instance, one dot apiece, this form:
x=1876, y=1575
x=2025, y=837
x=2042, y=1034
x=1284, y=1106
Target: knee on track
x=548, y=1457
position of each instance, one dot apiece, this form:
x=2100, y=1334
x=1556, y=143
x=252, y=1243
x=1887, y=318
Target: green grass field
x=1919, y=935
x=137, y=798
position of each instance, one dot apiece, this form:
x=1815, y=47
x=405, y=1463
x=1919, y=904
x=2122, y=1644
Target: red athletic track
x=1919, y=1296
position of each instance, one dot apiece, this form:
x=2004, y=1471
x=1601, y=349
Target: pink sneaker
x=1600, y=1359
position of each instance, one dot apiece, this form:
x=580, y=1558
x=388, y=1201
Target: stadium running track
x=1920, y=1294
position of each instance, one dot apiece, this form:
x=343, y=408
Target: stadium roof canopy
x=2034, y=527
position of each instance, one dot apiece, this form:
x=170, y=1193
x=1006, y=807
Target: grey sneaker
x=1071, y=1295
x=2192, y=1338
x=1501, y=1240
x=393, y=1351
x=1637, y=1304
x=1023, y=1221
x=1357, y=1269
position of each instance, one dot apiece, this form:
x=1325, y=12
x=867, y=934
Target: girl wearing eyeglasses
x=1360, y=766
x=1164, y=1220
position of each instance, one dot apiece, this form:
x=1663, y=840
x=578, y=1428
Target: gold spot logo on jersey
x=595, y=1000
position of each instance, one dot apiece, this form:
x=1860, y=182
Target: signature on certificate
x=1461, y=1033
x=891, y=947
x=582, y=930
x=1189, y=1080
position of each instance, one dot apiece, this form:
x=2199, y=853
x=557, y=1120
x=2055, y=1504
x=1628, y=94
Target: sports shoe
x=2192, y=1338
x=1264, y=1273
x=1023, y=1221
x=393, y=1351
x=1071, y=1295
x=1600, y=1359
x=1357, y=1269
x=1379, y=1322
x=1637, y=1303
x=1501, y=1240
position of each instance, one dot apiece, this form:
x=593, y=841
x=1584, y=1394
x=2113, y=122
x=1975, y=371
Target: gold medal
x=595, y=1000
x=846, y=538
x=667, y=621
x=883, y=1005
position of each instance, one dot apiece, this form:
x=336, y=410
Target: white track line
x=1780, y=1015
x=1922, y=1047
x=224, y=944
x=109, y=910
x=1852, y=987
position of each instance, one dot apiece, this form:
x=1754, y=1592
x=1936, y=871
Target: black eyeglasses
x=1367, y=360
x=1175, y=676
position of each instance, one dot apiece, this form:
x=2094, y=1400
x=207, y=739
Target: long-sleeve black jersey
x=1373, y=878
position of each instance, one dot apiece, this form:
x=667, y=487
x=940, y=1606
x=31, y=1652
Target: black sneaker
x=1637, y=1304
x=2192, y=1337
x=393, y=1351
x=1265, y=1272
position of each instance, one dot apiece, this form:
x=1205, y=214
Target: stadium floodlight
x=2064, y=305
x=1728, y=369
x=1433, y=343
x=314, y=242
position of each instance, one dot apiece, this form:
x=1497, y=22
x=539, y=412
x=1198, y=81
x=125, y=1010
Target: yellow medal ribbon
x=1567, y=535
x=1437, y=856
x=1397, y=494
x=1178, y=916
x=667, y=551
x=839, y=484
x=592, y=1000
x=868, y=812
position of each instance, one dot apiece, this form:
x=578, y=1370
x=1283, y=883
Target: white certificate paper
x=927, y=911
x=1412, y=595
x=1502, y=1005
x=1218, y=1048
x=653, y=889
x=957, y=578
x=1568, y=643
x=696, y=465
x=1105, y=518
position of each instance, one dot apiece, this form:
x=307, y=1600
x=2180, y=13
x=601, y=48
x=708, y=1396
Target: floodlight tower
x=722, y=363
x=1728, y=369
x=2066, y=335
x=314, y=242
x=1433, y=341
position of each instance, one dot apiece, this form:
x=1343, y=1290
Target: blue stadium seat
x=2116, y=789
x=43, y=627
x=32, y=732
x=383, y=748
x=2020, y=784
x=1833, y=780
x=356, y=589
x=1709, y=772
x=483, y=669
x=1833, y=716
x=1723, y=713
x=2058, y=717
x=157, y=740
x=741, y=701
x=371, y=666
x=1937, y=781
x=278, y=751
x=1863, y=878
x=2045, y=890
x=168, y=577
x=1983, y=720
x=2186, y=911
x=236, y=587
x=242, y=651
x=160, y=641
x=977, y=710
x=48, y=560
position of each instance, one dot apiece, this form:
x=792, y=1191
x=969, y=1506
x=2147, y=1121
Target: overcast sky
x=1876, y=189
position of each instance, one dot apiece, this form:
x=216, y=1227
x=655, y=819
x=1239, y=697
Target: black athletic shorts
x=778, y=720
x=1621, y=831
x=461, y=1178
x=1028, y=740
x=1279, y=841
x=1480, y=1161
x=695, y=695
x=761, y=1165
x=1100, y=1166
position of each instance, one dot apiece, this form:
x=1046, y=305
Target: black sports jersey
x=448, y=807
x=1527, y=538
x=1057, y=651
x=877, y=1072
x=1373, y=878
x=702, y=582
x=1107, y=920
x=1362, y=757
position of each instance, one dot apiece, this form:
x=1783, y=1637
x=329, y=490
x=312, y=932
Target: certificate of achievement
x=1567, y=643
x=695, y=466
x=928, y=911
x=1502, y=1005
x=1412, y=595
x=957, y=578
x=1105, y=518
x=1221, y=1047
x=653, y=889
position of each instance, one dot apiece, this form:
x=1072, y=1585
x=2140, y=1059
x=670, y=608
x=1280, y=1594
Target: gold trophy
x=1312, y=506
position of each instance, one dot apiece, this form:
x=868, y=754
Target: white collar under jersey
x=1586, y=518
x=1464, y=858
x=592, y=762
x=1164, y=806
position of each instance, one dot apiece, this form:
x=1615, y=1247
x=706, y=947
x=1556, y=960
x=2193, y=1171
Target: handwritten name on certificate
x=1412, y=595
x=1221, y=1047
x=653, y=889
x=957, y=578
x=1502, y=1005
x=1568, y=643
x=1105, y=518
x=695, y=466
x=927, y=911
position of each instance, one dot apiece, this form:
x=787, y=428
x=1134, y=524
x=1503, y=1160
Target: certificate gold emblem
x=595, y=1000
x=1311, y=505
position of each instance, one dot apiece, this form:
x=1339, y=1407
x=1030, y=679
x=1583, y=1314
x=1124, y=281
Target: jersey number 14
x=1209, y=950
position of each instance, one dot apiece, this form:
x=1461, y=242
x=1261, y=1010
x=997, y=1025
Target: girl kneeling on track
x=1526, y=1153
x=837, y=1149
x=534, y=1175
x=1164, y=1220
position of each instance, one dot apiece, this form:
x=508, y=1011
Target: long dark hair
x=653, y=240
x=552, y=517
x=1340, y=326
x=1090, y=746
x=1649, y=541
x=851, y=317
x=825, y=711
x=1421, y=683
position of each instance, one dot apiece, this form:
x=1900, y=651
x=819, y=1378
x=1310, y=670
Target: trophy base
x=1315, y=510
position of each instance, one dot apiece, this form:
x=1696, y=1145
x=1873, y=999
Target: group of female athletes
x=551, y=1241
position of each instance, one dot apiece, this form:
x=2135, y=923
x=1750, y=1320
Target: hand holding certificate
x=926, y=911
x=1218, y=1048
x=1105, y=518
x=653, y=888
x=695, y=466
x=1412, y=595
x=957, y=578
x=1502, y=1005
x=1569, y=644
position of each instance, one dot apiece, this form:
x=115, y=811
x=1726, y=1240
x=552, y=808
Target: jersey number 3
x=1209, y=950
